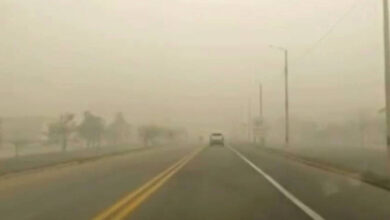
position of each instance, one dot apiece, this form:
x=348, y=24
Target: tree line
x=92, y=129
x=152, y=134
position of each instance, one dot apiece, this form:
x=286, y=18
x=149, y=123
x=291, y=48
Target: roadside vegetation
x=89, y=130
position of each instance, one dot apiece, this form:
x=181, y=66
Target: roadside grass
x=46, y=160
x=364, y=164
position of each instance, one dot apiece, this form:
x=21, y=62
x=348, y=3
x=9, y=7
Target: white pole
x=387, y=69
x=286, y=98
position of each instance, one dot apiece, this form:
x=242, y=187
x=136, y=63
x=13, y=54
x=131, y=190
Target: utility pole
x=387, y=69
x=286, y=95
x=260, y=101
x=249, y=120
x=261, y=128
x=1, y=133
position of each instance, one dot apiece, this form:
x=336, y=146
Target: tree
x=91, y=129
x=119, y=130
x=175, y=134
x=149, y=133
x=19, y=140
x=60, y=130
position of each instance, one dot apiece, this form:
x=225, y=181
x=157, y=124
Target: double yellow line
x=125, y=206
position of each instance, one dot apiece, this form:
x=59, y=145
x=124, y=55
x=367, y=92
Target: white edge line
x=279, y=187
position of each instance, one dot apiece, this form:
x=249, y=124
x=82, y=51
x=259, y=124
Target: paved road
x=186, y=183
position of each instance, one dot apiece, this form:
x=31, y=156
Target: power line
x=329, y=31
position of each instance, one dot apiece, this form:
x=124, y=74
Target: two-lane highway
x=218, y=185
x=190, y=183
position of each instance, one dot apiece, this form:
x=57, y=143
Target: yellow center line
x=135, y=203
x=111, y=210
x=122, y=202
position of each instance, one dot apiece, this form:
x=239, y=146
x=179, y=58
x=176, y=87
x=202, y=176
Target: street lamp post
x=261, y=116
x=387, y=69
x=286, y=95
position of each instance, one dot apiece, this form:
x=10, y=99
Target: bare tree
x=119, y=130
x=151, y=133
x=60, y=130
x=19, y=140
x=91, y=129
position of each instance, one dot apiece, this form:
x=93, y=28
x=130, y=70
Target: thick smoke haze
x=187, y=62
x=194, y=109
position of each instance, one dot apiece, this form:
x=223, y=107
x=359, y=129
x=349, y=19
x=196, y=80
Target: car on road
x=216, y=139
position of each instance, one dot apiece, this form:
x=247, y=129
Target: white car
x=216, y=139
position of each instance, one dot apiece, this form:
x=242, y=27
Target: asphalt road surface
x=179, y=183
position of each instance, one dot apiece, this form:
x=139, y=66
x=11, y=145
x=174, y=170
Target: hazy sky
x=189, y=61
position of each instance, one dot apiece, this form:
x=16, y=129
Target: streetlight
x=387, y=69
x=287, y=125
x=261, y=116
